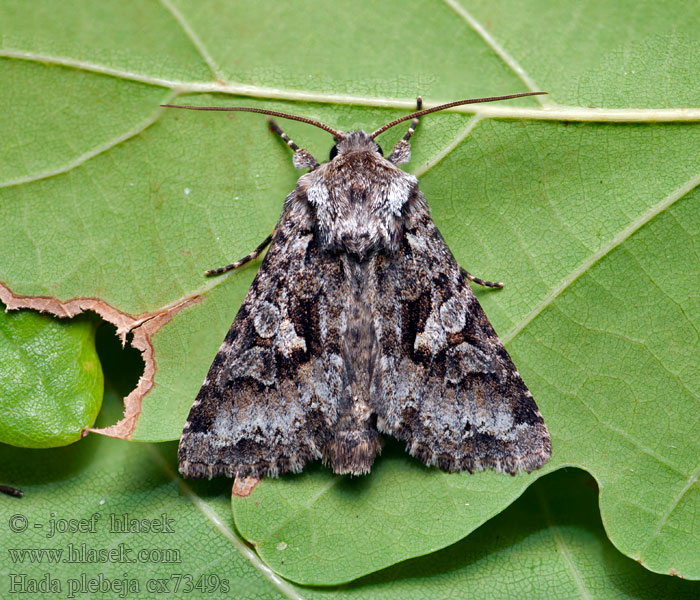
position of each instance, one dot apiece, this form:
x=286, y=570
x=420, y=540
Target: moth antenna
x=273, y=113
x=425, y=111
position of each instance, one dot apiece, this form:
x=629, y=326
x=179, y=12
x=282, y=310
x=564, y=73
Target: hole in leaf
x=122, y=368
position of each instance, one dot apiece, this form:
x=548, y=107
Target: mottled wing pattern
x=443, y=382
x=270, y=399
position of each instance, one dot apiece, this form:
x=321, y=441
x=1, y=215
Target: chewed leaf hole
x=122, y=367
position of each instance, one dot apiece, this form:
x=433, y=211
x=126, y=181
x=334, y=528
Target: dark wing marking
x=443, y=382
x=279, y=392
x=271, y=395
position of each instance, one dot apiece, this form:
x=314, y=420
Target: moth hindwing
x=359, y=323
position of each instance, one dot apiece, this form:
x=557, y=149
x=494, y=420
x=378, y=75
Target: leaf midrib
x=563, y=548
x=552, y=112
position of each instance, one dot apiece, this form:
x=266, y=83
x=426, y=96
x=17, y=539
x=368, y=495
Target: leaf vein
x=641, y=343
x=86, y=156
x=631, y=440
x=549, y=113
x=692, y=479
x=562, y=547
x=282, y=585
x=447, y=150
x=307, y=505
x=602, y=252
x=194, y=38
x=663, y=292
x=496, y=47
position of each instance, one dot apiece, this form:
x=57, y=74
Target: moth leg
x=401, y=153
x=11, y=491
x=302, y=158
x=252, y=256
x=470, y=277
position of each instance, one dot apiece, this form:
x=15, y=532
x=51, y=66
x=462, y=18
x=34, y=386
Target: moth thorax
x=357, y=218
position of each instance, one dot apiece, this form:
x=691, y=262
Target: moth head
x=354, y=141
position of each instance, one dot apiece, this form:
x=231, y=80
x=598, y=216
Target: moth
x=359, y=323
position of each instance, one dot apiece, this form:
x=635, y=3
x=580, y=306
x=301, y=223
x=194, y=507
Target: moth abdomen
x=352, y=451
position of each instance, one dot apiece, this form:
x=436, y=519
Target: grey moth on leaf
x=359, y=323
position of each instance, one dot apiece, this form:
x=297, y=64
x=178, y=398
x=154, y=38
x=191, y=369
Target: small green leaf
x=51, y=384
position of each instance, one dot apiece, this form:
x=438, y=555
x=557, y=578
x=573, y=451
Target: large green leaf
x=548, y=544
x=592, y=225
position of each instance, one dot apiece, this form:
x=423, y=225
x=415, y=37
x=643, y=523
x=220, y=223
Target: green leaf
x=549, y=544
x=51, y=384
x=589, y=216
